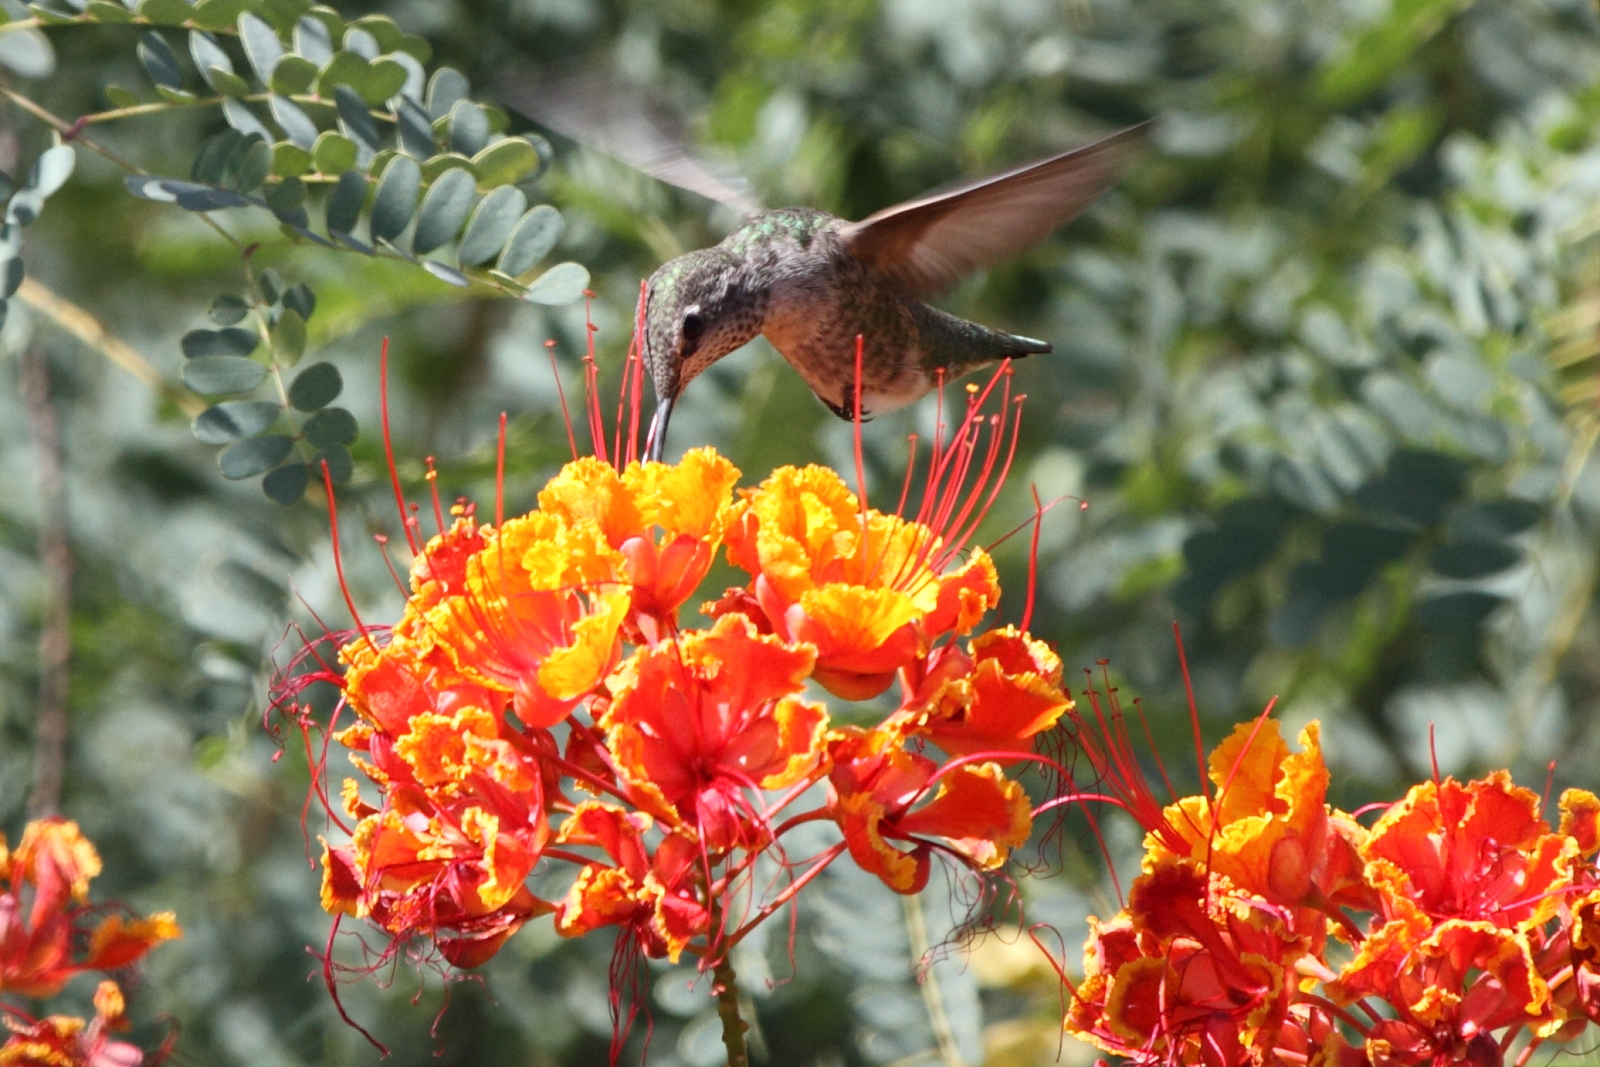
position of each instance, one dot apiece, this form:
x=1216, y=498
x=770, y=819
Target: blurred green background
x=1324, y=372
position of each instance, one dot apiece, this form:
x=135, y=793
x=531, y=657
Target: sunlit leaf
x=444, y=209
x=121, y=98
x=534, y=236
x=52, y=169
x=108, y=11
x=241, y=118
x=312, y=40
x=333, y=152
x=165, y=12
x=296, y=124
x=293, y=74
x=561, y=284
x=27, y=53
x=469, y=128
x=261, y=45
x=218, y=14
x=290, y=161
x=506, y=162
x=491, y=225
x=446, y=88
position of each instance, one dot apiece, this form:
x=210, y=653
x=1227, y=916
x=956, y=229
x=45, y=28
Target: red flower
x=993, y=699
x=658, y=897
x=64, y=1041
x=41, y=940
x=697, y=723
x=867, y=589
x=880, y=793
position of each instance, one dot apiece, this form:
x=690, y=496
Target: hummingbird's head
x=698, y=308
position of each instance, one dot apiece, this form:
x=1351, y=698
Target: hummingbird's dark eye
x=693, y=327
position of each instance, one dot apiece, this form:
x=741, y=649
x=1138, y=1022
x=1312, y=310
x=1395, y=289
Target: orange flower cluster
x=1269, y=928
x=538, y=702
x=46, y=940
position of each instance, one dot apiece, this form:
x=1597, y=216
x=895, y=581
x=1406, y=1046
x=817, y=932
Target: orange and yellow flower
x=694, y=725
x=538, y=701
x=44, y=939
x=880, y=793
x=865, y=588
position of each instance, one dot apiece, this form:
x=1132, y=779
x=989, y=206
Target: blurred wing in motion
x=622, y=122
x=924, y=246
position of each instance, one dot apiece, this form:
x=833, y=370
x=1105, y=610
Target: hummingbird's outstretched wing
x=598, y=112
x=924, y=246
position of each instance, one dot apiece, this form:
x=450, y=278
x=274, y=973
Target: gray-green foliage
x=321, y=112
x=1304, y=376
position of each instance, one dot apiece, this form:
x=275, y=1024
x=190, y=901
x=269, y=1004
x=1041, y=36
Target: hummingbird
x=812, y=283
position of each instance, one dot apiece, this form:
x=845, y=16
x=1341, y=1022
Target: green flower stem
x=726, y=985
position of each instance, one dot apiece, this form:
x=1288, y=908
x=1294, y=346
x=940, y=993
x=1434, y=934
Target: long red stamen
x=958, y=541
x=433, y=488
x=383, y=550
x=561, y=395
x=1033, y=559
x=861, y=466
x=338, y=559
x=938, y=442
x=591, y=384
x=634, y=382
x=388, y=446
x=911, y=469
x=500, y=475
x=1194, y=710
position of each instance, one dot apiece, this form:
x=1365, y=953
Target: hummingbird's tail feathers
x=597, y=111
x=959, y=345
x=924, y=246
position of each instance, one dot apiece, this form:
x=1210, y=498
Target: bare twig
x=68, y=316
x=938, y=1018
x=55, y=556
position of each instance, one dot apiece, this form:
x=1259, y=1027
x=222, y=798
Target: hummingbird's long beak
x=656, y=441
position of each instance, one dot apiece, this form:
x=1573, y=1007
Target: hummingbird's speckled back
x=813, y=283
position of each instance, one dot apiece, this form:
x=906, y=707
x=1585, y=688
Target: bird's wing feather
x=620, y=121
x=925, y=245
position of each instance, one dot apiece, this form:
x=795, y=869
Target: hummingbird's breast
x=820, y=299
